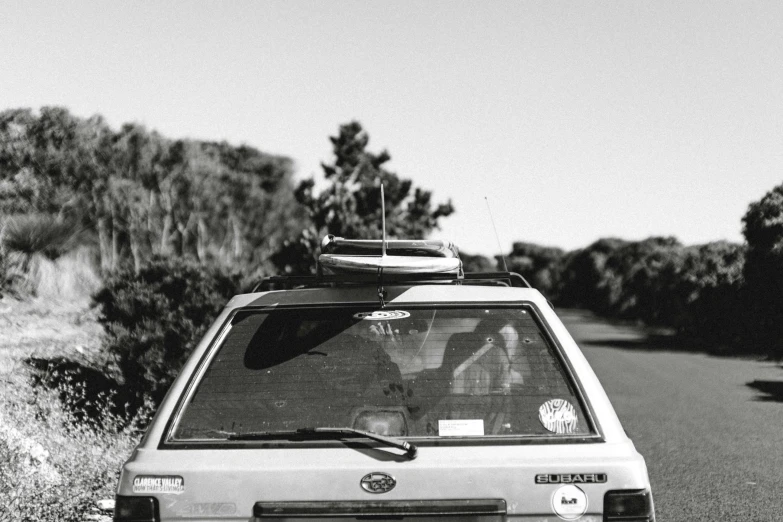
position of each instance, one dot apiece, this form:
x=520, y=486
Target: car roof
x=407, y=293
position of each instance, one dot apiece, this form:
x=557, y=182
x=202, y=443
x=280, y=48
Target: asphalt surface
x=709, y=428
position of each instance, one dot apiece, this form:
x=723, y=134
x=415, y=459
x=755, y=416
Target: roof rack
x=496, y=278
x=283, y=282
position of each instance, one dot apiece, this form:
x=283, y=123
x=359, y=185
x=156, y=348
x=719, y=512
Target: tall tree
x=350, y=205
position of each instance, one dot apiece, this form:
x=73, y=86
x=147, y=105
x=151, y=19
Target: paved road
x=712, y=442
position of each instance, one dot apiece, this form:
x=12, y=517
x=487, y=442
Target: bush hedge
x=763, y=270
x=698, y=291
x=154, y=319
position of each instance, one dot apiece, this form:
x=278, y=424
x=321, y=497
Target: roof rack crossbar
x=286, y=282
x=512, y=278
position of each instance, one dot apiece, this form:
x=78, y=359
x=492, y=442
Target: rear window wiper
x=305, y=433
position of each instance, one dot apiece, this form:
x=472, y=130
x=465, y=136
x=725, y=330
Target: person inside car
x=483, y=362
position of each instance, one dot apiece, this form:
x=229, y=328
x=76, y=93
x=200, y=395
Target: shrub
x=154, y=319
x=541, y=266
x=41, y=234
x=648, y=272
x=629, y=280
x=52, y=468
x=47, y=256
x=586, y=282
x=72, y=277
x=698, y=291
x=763, y=230
x=86, y=393
x=477, y=263
x=711, y=287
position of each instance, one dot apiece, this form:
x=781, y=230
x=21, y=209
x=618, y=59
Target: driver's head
x=500, y=331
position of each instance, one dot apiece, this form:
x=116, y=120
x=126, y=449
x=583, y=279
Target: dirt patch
x=47, y=329
x=54, y=466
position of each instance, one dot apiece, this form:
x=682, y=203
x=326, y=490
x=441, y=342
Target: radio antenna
x=383, y=222
x=381, y=291
x=500, y=249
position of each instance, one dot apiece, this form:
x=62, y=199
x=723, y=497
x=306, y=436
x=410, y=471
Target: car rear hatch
x=476, y=482
x=484, y=389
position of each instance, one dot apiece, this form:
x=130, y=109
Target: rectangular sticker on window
x=461, y=427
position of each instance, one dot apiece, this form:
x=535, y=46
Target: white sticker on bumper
x=569, y=502
x=158, y=484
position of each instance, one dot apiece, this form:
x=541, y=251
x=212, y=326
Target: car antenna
x=383, y=222
x=381, y=290
x=500, y=249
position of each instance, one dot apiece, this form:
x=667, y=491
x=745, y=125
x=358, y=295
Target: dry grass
x=71, y=277
x=52, y=467
x=44, y=328
x=55, y=318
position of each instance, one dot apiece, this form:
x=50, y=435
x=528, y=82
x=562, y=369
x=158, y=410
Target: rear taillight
x=136, y=509
x=629, y=505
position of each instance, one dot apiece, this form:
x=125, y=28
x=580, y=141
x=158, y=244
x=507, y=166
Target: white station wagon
x=390, y=386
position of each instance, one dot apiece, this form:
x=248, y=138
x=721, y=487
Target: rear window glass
x=445, y=372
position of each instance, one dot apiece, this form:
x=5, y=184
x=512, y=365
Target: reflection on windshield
x=413, y=372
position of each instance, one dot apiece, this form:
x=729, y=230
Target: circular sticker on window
x=382, y=315
x=558, y=416
x=569, y=502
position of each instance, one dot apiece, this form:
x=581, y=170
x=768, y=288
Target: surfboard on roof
x=400, y=256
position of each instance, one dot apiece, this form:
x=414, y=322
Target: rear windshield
x=413, y=372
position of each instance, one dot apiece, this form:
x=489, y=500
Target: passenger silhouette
x=481, y=362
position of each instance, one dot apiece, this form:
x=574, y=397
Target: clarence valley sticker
x=569, y=502
x=558, y=416
x=158, y=484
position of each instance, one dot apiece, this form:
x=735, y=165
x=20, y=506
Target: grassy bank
x=52, y=466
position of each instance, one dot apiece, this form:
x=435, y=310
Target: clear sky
x=577, y=120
